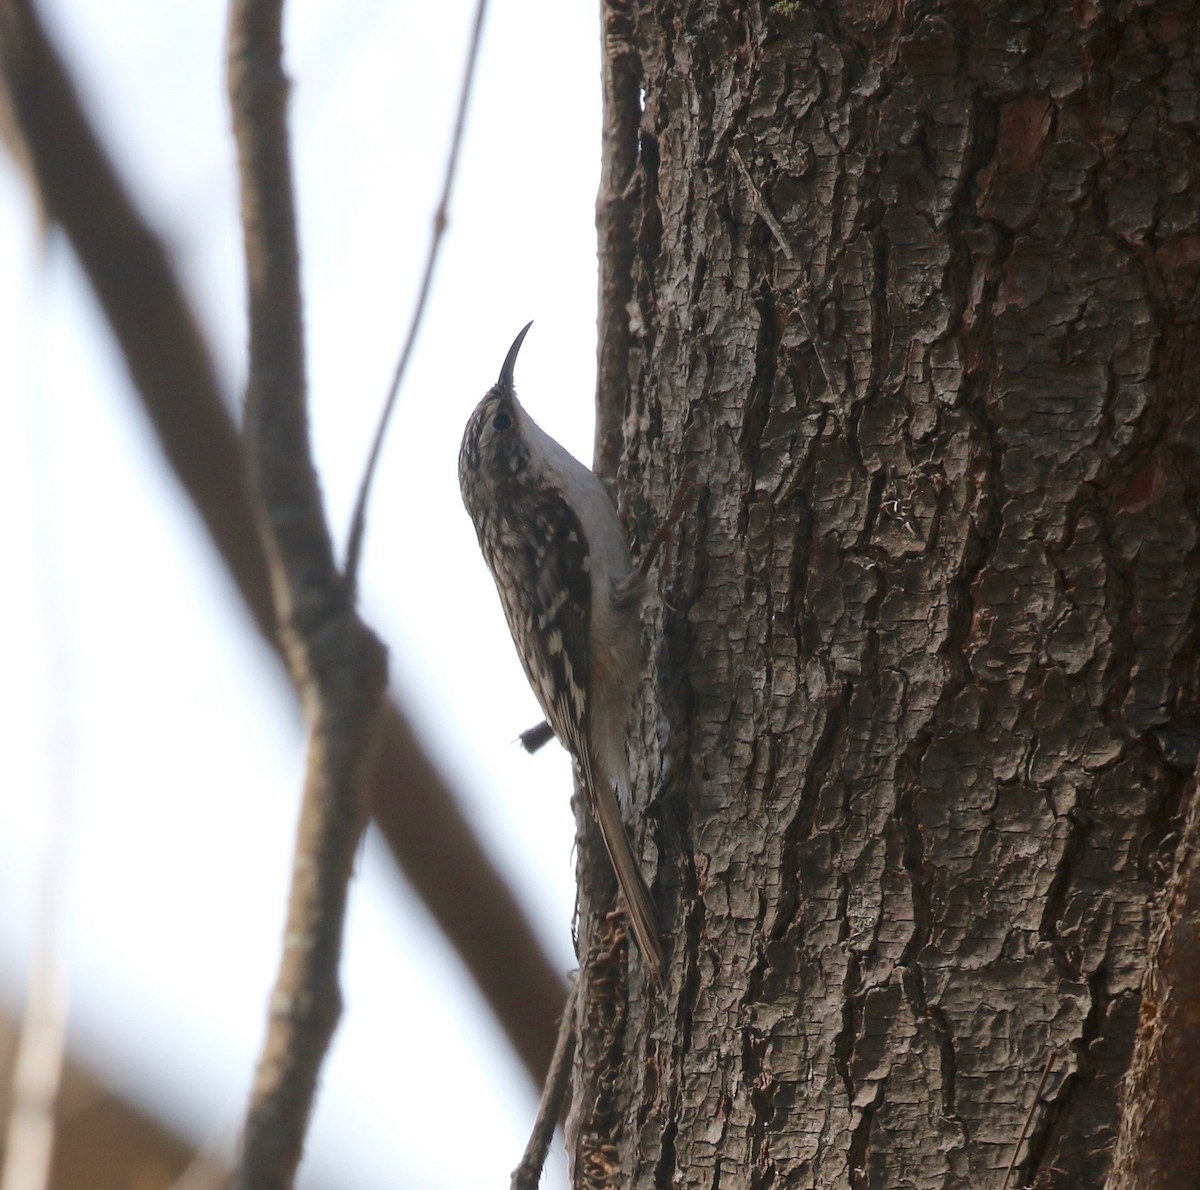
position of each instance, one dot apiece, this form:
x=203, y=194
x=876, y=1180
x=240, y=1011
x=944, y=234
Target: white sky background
x=133, y=680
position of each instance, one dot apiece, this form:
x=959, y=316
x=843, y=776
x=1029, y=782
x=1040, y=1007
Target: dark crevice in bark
x=913, y=981
x=683, y=956
x=1061, y=885
x=664, y=1169
x=648, y=234
x=688, y=993
x=800, y=828
x=861, y=1161
x=1120, y=596
x=876, y=483
x=919, y=881
x=881, y=330
x=797, y=578
x=843, y=1050
x=762, y=1092
x=1054, y=1129
x=758, y=398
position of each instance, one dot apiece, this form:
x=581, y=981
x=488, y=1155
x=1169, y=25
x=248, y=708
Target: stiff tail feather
x=639, y=905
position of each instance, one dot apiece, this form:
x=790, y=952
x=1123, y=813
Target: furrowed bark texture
x=1159, y=1143
x=920, y=700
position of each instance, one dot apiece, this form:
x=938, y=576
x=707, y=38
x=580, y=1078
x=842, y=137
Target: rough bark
x=919, y=708
x=1159, y=1142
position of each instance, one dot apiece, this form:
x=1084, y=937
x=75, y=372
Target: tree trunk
x=916, y=287
x=1159, y=1141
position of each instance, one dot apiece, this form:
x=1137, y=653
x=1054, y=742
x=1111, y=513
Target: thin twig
x=1028, y=1120
x=527, y=1175
x=768, y=217
x=760, y=205
x=440, y=220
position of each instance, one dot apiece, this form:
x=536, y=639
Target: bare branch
x=41, y=1049
x=529, y=1172
x=178, y=387
x=38, y=1073
x=807, y=318
x=168, y=359
x=440, y=221
x=337, y=664
x=1037, y=1095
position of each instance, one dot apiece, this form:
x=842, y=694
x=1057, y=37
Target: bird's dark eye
x=501, y=422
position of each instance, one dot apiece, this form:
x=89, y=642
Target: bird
x=554, y=544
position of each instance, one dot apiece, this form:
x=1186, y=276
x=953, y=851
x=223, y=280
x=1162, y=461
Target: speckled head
x=491, y=452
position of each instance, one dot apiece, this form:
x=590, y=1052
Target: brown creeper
x=555, y=547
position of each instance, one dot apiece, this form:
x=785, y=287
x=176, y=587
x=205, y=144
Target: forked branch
x=337, y=664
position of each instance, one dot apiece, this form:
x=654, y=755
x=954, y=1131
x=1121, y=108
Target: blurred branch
x=41, y=1050
x=440, y=219
x=103, y=1141
x=337, y=664
x=177, y=383
x=167, y=358
x=38, y=1071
